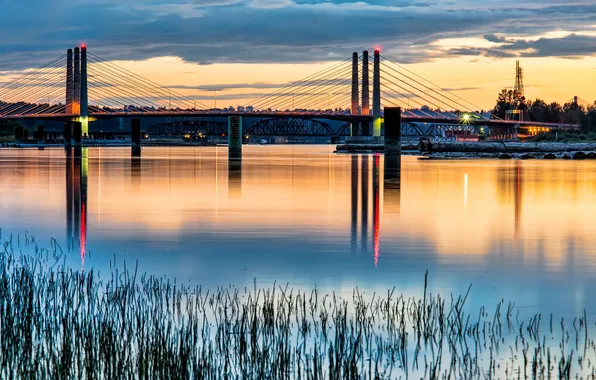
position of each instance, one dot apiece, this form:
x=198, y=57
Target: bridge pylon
x=364, y=126
x=77, y=101
x=355, y=105
x=377, y=93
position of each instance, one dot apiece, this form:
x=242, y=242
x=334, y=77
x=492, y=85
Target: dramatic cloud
x=255, y=31
x=571, y=46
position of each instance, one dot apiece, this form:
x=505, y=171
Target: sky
x=245, y=49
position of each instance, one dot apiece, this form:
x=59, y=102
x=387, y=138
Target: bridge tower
x=69, y=82
x=364, y=126
x=84, y=100
x=377, y=93
x=355, y=106
x=365, y=84
x=77, y=102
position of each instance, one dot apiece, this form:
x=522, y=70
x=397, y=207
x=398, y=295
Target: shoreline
x=498, y=150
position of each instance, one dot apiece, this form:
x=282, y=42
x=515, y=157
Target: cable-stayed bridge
x=344, y=99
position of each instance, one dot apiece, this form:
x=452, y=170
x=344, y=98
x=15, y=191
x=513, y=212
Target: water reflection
x=77, y=164
x=360, y=170
x=235, y=177
x=518, y=230
x=392, y=185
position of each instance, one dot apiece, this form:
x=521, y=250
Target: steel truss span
x=290, y=127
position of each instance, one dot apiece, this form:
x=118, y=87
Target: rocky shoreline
x=498, y=150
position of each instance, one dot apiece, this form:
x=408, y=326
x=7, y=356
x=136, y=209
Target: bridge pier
x=234, y=137
x=41, y=135
x=77, y=134
x=18, y=135
x=136, y=137
x=68, y=135
x=355, y=129
x=392, y=147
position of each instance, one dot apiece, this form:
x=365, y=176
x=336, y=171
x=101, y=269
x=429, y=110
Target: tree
x=539, y=111
x=554, y=112
x=592, y=107
x=573, y=113
x=505, y=102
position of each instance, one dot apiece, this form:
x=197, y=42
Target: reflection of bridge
x=76, y=198
x=320, y=105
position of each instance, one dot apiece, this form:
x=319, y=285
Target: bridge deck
x=297, y=115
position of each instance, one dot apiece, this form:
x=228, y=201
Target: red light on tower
x=83, y=46
x=378, y=49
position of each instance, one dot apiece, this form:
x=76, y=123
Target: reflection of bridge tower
x=354, y=188
x=361, y=172
x=77, y=102
x=376, y=209
x=234, y=177
x=518, y=190
x=76, y=198
x=364, y=203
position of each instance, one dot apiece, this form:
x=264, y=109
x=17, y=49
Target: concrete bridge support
x=77, y=134
x=19, y=135
x=68, y=135
x=377, y=93
x=136, y=137
x=234, y=137
x=392, y=147
x=41, y=136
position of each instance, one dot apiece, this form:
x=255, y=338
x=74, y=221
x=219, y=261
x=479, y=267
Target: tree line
x=540, y=111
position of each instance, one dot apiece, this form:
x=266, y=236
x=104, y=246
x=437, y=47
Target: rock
x=527, y=156
x=505, y=156
x=591, y=155
x=579, y=156
x=550, y=156
x=566, y=157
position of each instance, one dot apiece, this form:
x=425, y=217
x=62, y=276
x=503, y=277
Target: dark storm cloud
x=255, y=31
x=571, y=46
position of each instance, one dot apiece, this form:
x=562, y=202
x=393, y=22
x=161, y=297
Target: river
x=522, y=231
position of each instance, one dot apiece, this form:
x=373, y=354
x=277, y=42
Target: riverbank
x=503, y=150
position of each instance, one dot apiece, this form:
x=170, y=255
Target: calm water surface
x=524, y=231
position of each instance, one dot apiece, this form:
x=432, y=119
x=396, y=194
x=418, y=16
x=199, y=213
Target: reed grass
x=57, y=322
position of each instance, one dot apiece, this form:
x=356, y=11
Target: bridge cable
x=115, y=93
x=26, y=75
x=310, y=84
x=261, y=99
x=127, y=88
x=434, y=84
x=140, y=79
x=32, y=84
x=305, y=99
